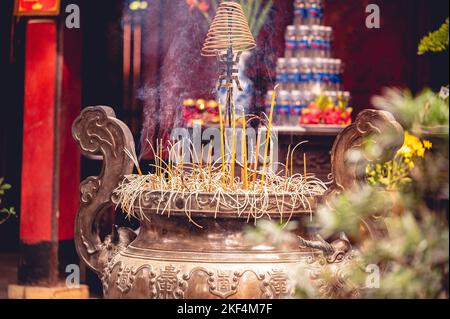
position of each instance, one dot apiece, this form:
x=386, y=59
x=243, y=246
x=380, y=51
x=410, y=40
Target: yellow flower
x=421, y=152
x=411, y=164
x=405, y=151
x=413, y=146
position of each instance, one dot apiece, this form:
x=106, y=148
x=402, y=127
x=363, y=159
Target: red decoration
x=37, y=7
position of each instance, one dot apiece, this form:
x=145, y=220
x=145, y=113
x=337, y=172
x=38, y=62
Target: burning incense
x=222, y=144
x=255, y=165
x=244, y=150
x=209, y=165
x=156, y=155
x=233, y=146
x=181, y=156
x=200, y=164
x=169, y=170
x=266, y=149
x=161, y=158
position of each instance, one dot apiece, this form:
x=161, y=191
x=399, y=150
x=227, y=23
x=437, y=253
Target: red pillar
x=38, y=229
x=51, y=162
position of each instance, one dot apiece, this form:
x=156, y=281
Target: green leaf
x=5, y=186
x=264, y=13
x=255, y=13
x=436, y=41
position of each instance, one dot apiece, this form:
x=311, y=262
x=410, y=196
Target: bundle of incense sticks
x=227, y=171
x=177, y=177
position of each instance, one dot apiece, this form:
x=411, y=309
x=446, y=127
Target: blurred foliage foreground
x=411, y=261
x=409, y=192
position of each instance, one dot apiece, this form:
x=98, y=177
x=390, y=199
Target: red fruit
x=315, y=112
x=310, y=116
x=332, y=116
x=313, y=105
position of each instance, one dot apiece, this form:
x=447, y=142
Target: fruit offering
x=326, y=111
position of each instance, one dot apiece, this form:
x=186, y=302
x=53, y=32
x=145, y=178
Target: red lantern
x=37, y=7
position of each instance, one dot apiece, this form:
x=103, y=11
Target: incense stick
x=201, y=163
x=161, y=158
x=157, y=158
x=287, y=162
x=266, y=149
x=222, y=144
x=255, y=166
x=233, y=146
x=209, y=164
x=244, y=150
x=132, y=155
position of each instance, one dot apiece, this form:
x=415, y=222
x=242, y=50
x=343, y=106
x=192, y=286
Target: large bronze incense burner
x=192, y=243
x=171, y=257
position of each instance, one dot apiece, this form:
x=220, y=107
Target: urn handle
x=349, y=159
x=349, y=171
x=98, y=132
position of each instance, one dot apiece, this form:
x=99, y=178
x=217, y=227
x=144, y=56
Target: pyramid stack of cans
x=307, y=70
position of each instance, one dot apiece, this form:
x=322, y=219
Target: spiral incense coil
x=229, y=29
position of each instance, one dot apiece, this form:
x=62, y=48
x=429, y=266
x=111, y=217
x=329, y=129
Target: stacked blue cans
x=306, y=74
x=307, y=69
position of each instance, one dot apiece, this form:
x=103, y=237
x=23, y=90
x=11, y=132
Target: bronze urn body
x=170, y=257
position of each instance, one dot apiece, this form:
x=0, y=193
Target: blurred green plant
x=415, y=253
x=5, y=213
x=426, y=110
x=414, y=258
x=436, y=41
x=256, y=13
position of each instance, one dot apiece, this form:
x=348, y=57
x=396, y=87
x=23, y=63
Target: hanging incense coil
x=229, y=29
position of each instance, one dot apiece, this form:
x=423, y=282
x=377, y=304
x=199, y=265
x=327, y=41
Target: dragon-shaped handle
x=98, y=132
x=334, y=251
x=350, y=173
